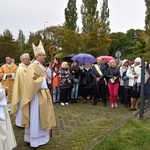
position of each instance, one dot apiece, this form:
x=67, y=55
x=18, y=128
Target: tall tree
x=71, y=15
x=21, y=39
x=105, y=15
x=147, y=26
x=89, y=15
x=8, y=35
x=147, y=18
x=8, y=47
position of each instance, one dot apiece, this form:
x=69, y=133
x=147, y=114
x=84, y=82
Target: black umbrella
x=68, y=57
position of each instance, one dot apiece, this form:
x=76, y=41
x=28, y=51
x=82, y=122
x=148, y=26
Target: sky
x=33, y=15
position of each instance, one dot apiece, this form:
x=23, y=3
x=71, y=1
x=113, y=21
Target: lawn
x=134, y=135
x=78, y=126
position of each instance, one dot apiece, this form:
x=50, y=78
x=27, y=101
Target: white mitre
x=38, y=49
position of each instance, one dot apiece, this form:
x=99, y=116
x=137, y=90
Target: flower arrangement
x=133, y=71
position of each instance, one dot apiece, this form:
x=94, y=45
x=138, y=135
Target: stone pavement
x=146, y=113
x=78, y=126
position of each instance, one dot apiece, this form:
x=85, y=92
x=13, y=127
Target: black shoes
x=133, y=109
x=104, y=105
x=74, y=101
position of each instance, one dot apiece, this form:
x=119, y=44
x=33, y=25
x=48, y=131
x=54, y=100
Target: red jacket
x=56, y=81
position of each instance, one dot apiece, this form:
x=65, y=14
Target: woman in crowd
x=127, y=87
x=56, y=85
x=134, y=75
x=113, y=75
x=87, y=82
x=65, y=83
x=76, y=72
x=124, y=80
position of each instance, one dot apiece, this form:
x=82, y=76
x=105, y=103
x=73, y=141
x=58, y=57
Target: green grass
x=78, y=126
x=134, y=135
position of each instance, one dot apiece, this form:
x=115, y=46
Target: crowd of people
x=32, y=89
x=98, y=82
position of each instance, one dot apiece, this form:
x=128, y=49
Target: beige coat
x=18, y=88
x=33, y=81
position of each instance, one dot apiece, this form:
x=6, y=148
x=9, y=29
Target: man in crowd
x=18, y=87
x=37, y=108
x=99, y=72
x=7, y=76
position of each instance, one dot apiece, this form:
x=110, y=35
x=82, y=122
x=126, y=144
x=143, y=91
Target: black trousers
x=127, y=95
x=64, y=95
x=99, y=92
x=121, y=94
x=88, y=92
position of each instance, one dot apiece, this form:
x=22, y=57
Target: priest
x=7, y=76
x=18, y=88
x=37, y=108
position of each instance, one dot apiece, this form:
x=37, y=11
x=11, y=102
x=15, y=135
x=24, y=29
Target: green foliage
x=21, y=39
x=147, y=18
x=89, y=15
x=71, y=15
x=8, y=47
x=131, y=44
x=105, y=15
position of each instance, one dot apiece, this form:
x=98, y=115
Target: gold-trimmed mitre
x=38, y=49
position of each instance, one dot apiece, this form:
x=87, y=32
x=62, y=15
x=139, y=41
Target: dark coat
x=77, y=71
x=113, y=72
x=95, y=74
x=86, y=78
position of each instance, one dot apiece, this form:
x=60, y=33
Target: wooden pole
x=52, y=52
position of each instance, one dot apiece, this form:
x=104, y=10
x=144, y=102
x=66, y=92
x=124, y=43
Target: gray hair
x=23, y=56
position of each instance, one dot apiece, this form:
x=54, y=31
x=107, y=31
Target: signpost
x=118, y=55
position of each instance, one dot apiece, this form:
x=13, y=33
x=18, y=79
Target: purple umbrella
x=83, y=58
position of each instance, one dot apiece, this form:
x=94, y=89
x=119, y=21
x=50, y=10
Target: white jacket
x=122, y=70
x=135, y=70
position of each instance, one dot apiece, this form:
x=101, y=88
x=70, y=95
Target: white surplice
x=19, y=115
x=7, y=138
x=34, y=134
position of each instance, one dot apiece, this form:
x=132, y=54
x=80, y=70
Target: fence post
x=142, y=89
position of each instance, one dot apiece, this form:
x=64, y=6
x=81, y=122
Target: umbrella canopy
x=83, y=58
x=107, y=58
x=68, y=57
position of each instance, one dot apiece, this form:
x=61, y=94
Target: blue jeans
x=74, y=92
x=56, y=94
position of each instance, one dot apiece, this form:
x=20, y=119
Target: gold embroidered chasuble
x=33, y=80
x=18, y=88
x=8, y=81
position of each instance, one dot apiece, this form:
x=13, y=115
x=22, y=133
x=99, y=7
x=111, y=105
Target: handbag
x=112, y=80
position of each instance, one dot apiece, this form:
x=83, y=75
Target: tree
x=131, y=44
x=147, y=18
x=89, y=15
x=147, y=27
x=8, y=35
x=8, y=47
x=21, y=39
x=71, y=15
x=105, y=16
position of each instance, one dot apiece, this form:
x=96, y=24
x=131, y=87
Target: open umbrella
x=107, y=58
x=83, y=57
x=68, y=57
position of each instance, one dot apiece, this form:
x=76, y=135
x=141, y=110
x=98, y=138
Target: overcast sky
x=32, y=15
